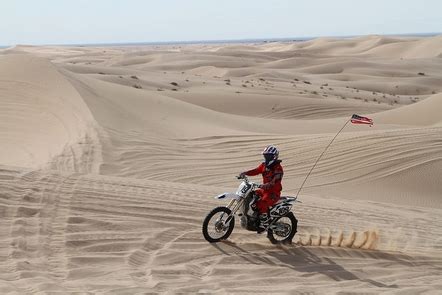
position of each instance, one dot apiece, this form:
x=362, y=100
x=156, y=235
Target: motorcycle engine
x=244, y=222
x=249, y=223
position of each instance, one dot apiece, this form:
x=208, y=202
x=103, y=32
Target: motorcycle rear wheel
x=216, y=229
x=278, y=238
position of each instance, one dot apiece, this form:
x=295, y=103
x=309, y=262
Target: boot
x=263, y=222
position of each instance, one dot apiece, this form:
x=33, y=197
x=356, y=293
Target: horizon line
x=220, y=41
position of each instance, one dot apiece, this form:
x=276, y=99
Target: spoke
x=217, y=228
x=283, y=228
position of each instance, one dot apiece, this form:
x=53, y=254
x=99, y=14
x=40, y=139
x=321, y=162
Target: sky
x=124, y=21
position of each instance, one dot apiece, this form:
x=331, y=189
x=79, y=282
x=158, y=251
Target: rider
x=270, y=190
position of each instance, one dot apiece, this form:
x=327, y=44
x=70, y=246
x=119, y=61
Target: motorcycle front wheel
x=217, y=226
x=283, y=229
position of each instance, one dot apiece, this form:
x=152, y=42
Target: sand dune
x=42, y=115
x=376, y=46
x=110, y=158
x=424, y=113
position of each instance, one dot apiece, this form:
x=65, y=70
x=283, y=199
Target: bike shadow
x=309, y=260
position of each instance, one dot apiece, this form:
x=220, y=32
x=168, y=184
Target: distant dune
x=110, y=156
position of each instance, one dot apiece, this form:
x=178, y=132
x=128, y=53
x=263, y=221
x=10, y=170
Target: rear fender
x=225, y=196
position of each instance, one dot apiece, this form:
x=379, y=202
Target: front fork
x=233, y=205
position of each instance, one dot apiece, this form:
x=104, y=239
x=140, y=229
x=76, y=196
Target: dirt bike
x=219, y=223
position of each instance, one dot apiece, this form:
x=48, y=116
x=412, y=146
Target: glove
x=241, y=175
x=265, y=186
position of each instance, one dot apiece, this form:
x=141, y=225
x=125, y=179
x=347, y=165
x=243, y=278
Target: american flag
x=355, y=119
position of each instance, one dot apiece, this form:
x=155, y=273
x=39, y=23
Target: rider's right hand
x=241, y=175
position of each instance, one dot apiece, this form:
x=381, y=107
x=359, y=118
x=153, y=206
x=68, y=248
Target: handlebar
x=243, y=177
x=246, y=180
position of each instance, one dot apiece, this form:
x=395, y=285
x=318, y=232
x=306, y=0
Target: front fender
x=227, y=196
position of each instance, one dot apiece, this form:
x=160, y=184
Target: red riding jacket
x=271, y=176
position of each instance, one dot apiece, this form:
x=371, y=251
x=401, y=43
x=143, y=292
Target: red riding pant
x=268, y=198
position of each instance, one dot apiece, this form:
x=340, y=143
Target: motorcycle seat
x=284, y=198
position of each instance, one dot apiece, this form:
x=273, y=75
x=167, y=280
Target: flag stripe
x=355, y=119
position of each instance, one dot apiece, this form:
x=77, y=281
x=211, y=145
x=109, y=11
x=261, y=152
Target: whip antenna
x=355, y=119
x=320, y=156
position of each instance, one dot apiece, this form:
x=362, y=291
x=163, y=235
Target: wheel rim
x=282, y=228
x=217, y=227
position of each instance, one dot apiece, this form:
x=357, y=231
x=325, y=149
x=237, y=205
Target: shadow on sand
x=306, y=260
